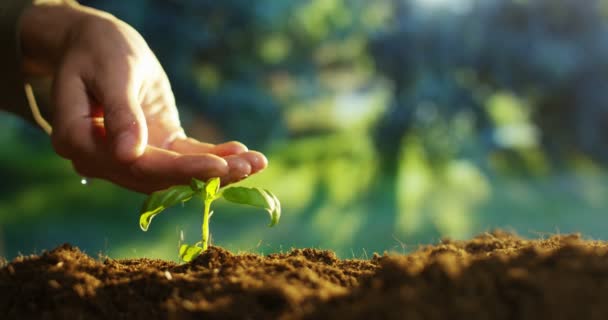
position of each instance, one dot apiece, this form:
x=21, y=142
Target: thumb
x=124, y=120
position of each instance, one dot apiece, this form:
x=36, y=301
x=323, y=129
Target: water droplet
x=84, y=181
x=181, y=235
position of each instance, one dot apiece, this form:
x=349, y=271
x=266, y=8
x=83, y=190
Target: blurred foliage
x=387, y=123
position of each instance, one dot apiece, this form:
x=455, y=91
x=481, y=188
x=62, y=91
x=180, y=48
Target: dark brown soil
x=494, y=276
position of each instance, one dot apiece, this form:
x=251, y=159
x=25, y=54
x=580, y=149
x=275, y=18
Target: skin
x=114, y=114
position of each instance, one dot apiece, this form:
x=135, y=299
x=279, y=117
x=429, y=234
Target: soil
x=493, y=276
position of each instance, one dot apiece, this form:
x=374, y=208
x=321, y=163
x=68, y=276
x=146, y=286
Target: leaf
x=161, y=200
x=257, y=198
x=274, y=219
x=211, y=189
x=197, y=185
x=188, y=253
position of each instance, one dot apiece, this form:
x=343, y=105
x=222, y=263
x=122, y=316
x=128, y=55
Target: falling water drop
x=84, y=181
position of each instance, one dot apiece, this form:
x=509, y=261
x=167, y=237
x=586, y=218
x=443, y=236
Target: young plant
x=208, y=192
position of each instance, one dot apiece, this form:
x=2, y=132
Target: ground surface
x=494, y=276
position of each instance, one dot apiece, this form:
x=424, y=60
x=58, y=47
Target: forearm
x=45, y=31
x=35, y=31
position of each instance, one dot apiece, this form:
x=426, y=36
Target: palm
x=162, y=118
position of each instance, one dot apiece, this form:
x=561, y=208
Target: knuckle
x=117, y=109
x=62, y=143
x=119, y=119
x=59, y=146
x=69, y=143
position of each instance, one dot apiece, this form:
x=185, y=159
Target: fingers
x=256, y=160
x=193, y=146
x=160, y=164
x=190, y=146
x=154, y=170
x=241, y=162
x=124, y=119
x=71, y=116
x=229, y=149
x=158, y=168
x=240, y=169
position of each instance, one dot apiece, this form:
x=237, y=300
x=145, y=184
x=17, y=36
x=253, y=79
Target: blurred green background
x=388, y=124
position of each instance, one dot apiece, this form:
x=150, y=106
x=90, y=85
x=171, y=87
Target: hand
x=114, y=114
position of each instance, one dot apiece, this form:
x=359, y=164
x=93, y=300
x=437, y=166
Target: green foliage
x=159, y=201
x=187, y=252
x=257, y=198
x=208, y=192
x=211, y=189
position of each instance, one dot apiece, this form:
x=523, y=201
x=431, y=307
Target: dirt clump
x=493, y=276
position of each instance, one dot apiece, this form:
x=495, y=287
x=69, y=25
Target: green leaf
x=197, y=185
x=257, y=198
x=188, y=253
x=274, y=217
x=211, y=189
x=160, y=200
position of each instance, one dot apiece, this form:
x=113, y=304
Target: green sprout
x=208, y=192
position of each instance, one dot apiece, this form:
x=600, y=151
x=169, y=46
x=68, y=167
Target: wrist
x=44, y=32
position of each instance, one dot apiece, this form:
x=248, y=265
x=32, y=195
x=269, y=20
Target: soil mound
x=493, y=276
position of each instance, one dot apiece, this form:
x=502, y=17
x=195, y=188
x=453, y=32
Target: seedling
x=208, y=192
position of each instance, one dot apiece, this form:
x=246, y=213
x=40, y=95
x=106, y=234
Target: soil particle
x=493, y=276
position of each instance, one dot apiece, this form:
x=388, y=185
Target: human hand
x=114, y=114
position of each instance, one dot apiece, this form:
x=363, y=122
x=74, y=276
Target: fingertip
x=238, y=147
x=203, y=166
x=229, y=149
x=186, y=145
x=257, y=160
x=239, y=168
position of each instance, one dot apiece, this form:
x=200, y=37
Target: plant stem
x=205, y=240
